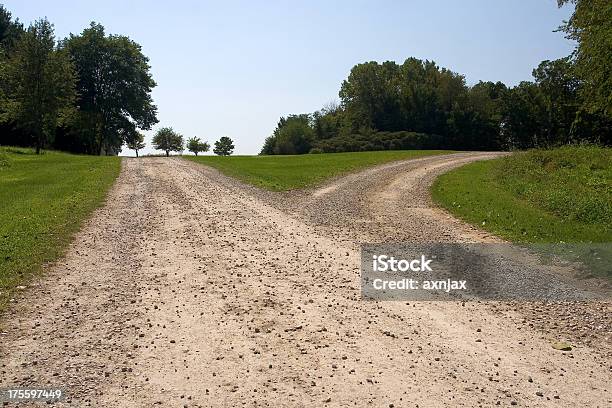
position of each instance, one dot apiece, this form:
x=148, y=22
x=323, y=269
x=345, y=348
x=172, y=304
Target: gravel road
x=188, y=289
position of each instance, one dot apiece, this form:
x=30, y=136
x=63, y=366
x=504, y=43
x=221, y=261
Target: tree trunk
x=38, y=143
x=167, y=153
x=196, y=153
x=136, y=152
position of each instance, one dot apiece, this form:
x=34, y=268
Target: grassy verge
x=538, y=196
x=43, y=201
x=280, y=173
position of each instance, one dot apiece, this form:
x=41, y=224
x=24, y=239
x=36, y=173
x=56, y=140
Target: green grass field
x=538, y=196
x=280, y=173
x=43, y=201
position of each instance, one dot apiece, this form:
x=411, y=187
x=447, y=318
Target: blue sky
x=234, y=67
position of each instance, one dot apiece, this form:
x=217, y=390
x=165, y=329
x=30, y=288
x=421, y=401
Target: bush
x=381, y=141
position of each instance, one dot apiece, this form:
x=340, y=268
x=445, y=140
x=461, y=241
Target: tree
x=136, y=142
x=559, y=87
x=416, y=96
x=41, y=84
x=168, y=140
x=327, y=122
x=485, y=102
x=523, y=110
x=195, y=146
x=268, y=146
x=295, y=136
x=363, y=95
x=591, y=27
x=10, y=31
x=224, y=146
x=270, y=142
x=114, y=87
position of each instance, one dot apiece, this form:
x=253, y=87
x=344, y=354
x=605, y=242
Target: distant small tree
x=136, y=142
x=224, y=146
x=168, y=140
x=195, y=145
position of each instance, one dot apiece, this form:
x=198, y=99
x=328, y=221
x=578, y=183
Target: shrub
x=381, y=141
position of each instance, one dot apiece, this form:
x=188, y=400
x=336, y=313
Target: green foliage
x=417, y=96
x=280, y=173
x=40, y=82
x=378, y=99
x=114, y=85
x=545, y=113
x=168, y=140
x=295, y=136
x=591, y=27
x=136, y=142
x=379, y=141
x=195, y=145
x=523, y=109
x=43, y=201
x=420, y=97
x=327, y=122
x=553, y=195
x=224, y=146
x=113, y=88
x=574, y=183
x=10, y=31
x=268, y=146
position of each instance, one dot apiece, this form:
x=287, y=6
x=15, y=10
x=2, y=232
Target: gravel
x=251, y=298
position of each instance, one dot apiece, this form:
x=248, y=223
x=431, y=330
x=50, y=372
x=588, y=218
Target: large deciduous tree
x=591, y=26
x=114, y=87
x=40, y=82
x=168, y=140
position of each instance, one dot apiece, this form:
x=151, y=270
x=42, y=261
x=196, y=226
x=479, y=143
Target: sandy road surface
x=187, y=289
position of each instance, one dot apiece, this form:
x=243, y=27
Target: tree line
x=87, y=93
x=418, y=104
